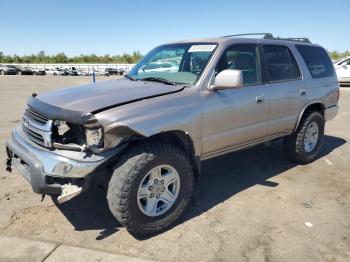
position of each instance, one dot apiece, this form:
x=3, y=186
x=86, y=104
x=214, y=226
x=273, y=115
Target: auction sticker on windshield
x=201, y=48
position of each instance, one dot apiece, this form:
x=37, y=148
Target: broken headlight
x=61, y=126
x=94, y=137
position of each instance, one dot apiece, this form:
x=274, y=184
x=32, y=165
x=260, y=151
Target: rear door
x=285, y=88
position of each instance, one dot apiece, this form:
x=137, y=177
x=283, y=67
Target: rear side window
x=281, y=64
x=317, y=60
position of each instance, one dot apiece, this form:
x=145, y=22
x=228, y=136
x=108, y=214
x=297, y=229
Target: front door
x=234, y=117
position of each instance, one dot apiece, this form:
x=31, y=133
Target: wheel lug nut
x=162, y=181
x=150, y=188
x=163, y=189
x=157, y=196
x=156, y=181
x=151, y=195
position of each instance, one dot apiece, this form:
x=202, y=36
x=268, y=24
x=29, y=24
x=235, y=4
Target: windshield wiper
x=130, y=77
x=158, y=79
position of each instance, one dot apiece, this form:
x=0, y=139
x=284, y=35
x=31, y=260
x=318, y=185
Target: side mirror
x=228, y=79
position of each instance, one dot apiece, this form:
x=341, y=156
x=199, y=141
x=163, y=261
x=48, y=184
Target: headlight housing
x=94, y=137
x=62, y=127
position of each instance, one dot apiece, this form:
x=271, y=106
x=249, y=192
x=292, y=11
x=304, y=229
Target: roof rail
x=271, y=37
x=266, y=35
x=295, y=39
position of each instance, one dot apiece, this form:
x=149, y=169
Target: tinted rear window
x=317, y=60
x=281, y=65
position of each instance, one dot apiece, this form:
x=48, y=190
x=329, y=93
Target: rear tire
x=304, y=145
x=128, y=191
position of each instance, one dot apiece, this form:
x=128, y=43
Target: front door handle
x=260, y=99
x=303, y=92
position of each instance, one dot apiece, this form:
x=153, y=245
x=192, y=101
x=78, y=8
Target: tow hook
x=9, y=165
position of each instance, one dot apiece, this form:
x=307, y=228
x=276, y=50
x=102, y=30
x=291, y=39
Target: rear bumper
x=47, y=172
x=331, y=112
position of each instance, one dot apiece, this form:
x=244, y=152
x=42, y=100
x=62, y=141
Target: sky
x=113, y=27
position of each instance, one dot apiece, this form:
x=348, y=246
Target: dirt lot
x=249, y=206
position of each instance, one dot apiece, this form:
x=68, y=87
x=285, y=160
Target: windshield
x=175, y=63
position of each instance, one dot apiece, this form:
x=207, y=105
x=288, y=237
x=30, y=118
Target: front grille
x=35, y=137
x=36, y=116
x=37, y=127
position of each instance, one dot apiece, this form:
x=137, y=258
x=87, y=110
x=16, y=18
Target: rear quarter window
x=317, y=61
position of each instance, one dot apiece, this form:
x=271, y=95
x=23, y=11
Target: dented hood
x=77, y=102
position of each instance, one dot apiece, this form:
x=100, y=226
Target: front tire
x=303, y=146
x=150, y=188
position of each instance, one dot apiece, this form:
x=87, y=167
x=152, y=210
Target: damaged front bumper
x=59, y=172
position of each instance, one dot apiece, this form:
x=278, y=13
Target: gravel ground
x=252, y=205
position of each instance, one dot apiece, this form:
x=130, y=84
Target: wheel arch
x=310, y=107
x=178, y=138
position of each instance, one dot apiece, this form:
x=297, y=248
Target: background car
x=112, y=71
x=6, y=70
x=37, y=71
x=121, y=71
x=98, y=72
x=82, y=73
x=72, y=70
x=63, y=71
x=23, y=70
x=52, y=71
x=342, y=68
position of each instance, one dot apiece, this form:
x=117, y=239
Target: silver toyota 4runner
x=187, y=101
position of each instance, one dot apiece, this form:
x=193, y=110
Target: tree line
x=335, y=55
x=62, y=58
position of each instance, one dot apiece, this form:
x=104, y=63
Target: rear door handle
x=303, y=92
x=260, y=99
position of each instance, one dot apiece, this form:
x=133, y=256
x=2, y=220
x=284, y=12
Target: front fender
x=181, y=112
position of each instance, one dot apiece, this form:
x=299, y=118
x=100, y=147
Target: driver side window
x=243, y=57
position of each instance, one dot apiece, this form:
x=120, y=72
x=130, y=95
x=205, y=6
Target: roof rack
x=271, y=37
x=266, y=35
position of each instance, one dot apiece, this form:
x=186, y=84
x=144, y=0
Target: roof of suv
x=234, y=39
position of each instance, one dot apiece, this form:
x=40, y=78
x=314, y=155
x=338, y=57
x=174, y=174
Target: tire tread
x=125, y=173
